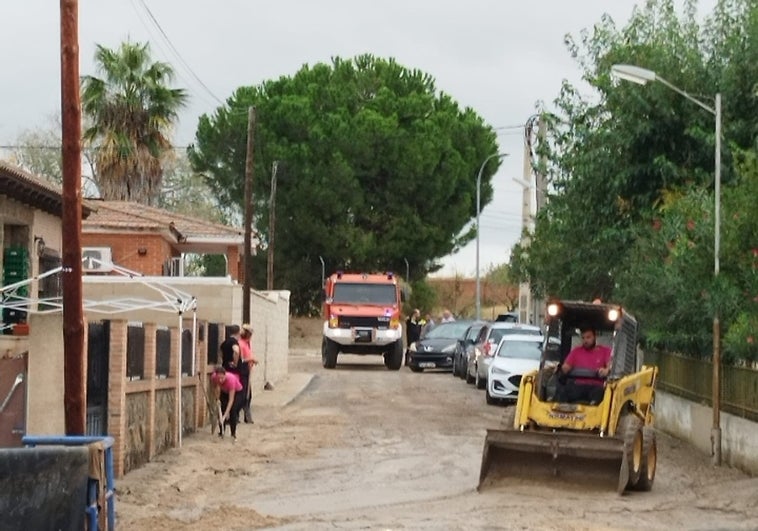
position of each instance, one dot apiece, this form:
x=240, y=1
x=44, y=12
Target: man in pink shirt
x=229, y=391
x=593, y=362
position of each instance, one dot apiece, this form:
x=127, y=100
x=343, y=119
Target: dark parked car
x=465, y=344
x=435, y=350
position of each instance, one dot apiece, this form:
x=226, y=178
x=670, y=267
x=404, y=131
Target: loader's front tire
x=630, y=430
x=649, y=461
x=509, y=417
x=329, y=351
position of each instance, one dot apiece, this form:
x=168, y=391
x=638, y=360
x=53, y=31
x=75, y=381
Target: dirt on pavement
x=367, y=448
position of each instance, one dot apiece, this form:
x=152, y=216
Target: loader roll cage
x=563, y=319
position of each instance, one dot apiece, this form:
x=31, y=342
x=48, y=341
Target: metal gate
x=12, y=400
x=98, y=357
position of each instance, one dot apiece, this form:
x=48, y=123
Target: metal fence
x=214, y=342
x=162, y=352
x=691, y=378
x=135, y=351
x=186, y=351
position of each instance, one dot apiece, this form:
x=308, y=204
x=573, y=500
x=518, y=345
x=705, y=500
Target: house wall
x=45, y=384
x=125, y=249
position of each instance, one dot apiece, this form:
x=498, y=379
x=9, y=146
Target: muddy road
x=365, y=448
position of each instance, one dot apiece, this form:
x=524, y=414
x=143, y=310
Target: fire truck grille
x=346, y=321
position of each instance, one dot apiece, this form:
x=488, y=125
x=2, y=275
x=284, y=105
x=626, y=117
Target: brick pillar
x=234, y=259
x=117, y=393
x=150, y=348
x=176, y=377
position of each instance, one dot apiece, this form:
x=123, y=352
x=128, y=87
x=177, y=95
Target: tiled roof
x=25, y=187
x=124, y=215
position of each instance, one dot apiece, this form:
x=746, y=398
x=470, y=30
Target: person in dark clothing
x=230, y=350
x=413, y=327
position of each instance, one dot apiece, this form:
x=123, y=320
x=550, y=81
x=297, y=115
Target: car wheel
x=463, y=370
x=469, y=378
x=393, y=359
x=329, y=351
x=455, y=366
x=490, y=399
x=480, y=382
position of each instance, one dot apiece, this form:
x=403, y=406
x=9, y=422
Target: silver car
x=485, y=345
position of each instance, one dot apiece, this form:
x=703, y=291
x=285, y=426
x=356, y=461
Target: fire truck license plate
x=363, y=336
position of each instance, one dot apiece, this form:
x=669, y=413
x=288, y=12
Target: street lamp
x=642, y=76
x=478, y=210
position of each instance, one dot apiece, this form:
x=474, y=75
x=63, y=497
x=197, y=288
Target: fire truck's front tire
x=394, y=358
x=329, y=351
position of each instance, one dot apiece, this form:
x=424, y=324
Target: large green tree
x=630, y=213
x=129, y=113
x=375, y=166
x=616, y=154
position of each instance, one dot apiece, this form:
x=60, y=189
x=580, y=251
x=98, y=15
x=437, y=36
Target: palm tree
x=130, y=112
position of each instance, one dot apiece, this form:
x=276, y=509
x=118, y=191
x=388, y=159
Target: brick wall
x=143, y=252
x=143, y=414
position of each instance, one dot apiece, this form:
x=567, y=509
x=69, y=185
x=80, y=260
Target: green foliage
x=375, y=166
x=185, y=191
x=129, y=115
x=630, y=214
x=422, y=296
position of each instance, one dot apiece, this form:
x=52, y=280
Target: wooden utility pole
x=271, y=228
x=248, y=255
x=75, y=392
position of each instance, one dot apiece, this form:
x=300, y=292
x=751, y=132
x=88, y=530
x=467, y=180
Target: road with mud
x=365, y=448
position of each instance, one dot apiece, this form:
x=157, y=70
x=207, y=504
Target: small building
x=153, y=241
x=152, y=334
x=30, y=217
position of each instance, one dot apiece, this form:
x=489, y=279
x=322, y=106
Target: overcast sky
x=497, y=56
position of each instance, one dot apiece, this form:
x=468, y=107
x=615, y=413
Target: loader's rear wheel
x=649, y=461
x=630, y=429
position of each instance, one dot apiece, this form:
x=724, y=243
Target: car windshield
x=525, y=350
x=497, y=333
x=352, y=292
x=473, y=332
x=452, y=330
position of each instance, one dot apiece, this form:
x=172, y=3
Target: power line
x=166, y=54
x=176, y=52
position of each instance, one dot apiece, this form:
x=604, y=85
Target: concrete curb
x=284, y=392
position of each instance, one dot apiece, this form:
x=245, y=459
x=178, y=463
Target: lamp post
x=642, y=76
x=478, y=210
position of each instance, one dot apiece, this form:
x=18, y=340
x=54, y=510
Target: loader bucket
x=583, y=458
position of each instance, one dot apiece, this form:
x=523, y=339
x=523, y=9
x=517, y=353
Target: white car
x=515, y=356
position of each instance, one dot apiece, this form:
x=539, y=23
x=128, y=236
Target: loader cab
x=614, y=328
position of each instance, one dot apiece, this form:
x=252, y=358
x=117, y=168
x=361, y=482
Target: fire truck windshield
x=347, y=292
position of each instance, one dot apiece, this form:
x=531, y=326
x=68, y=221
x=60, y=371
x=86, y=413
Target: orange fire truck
x=362, y=316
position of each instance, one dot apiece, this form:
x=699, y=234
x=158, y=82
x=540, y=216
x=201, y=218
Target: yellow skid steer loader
x=608, y=440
